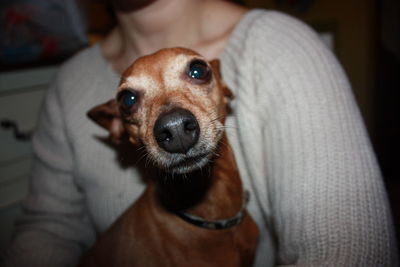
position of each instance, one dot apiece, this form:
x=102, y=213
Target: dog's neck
x=214, y=192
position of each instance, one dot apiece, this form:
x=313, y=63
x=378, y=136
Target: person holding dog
x=303, y=153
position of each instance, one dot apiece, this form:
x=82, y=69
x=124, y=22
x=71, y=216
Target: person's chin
x=126, y=6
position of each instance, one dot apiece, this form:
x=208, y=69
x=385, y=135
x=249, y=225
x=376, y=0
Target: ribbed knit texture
x=299, y=140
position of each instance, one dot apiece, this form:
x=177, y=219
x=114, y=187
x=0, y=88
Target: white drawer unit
x=21, y=95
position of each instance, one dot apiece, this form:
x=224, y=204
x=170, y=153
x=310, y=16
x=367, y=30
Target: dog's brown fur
x=148, y=233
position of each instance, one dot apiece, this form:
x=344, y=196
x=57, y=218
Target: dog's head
x=174, y=103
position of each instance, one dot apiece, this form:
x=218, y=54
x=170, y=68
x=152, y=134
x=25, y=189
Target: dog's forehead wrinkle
x=145, y=83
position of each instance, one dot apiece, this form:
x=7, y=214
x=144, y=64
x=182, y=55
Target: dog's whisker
x=212, y=113
x=141, y=158
x=166, y=179
x=216, y=154
x=148, y=161
x=227, y=127
x=141, y=148
x=222, y=142
x=217, y=119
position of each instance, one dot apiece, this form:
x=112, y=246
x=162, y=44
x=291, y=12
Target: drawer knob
x=12, y=125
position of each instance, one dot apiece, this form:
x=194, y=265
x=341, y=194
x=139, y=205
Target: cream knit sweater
x=297, y=134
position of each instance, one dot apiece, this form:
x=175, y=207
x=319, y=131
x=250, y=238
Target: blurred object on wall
x=100, y=19
x=39, y=31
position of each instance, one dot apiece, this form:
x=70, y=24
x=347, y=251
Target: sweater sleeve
x=325, y=191
x=54, y=228
x=329, y=202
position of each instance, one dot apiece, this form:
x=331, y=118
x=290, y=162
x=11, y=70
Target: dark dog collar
x=218, y=224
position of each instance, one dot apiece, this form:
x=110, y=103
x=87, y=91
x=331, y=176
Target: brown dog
x=192, y=213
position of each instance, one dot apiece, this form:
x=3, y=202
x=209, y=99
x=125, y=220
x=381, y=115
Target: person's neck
x=162, y=24
x=159, y=25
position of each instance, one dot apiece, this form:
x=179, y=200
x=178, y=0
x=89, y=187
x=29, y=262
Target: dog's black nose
x=176, y=131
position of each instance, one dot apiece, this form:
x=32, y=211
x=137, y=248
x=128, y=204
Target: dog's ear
x=107, y=115
x=215, y=65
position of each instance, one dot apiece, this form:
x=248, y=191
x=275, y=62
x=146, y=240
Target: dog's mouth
x=189, y=163
x=195, y=159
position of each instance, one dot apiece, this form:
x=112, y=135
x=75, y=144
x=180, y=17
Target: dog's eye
x=127, y=98
x=198, y=70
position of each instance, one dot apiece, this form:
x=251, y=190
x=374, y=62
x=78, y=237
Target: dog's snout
x=176, y=131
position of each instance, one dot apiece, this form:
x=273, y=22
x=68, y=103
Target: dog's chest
x=169, y=241
x=146, y=236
